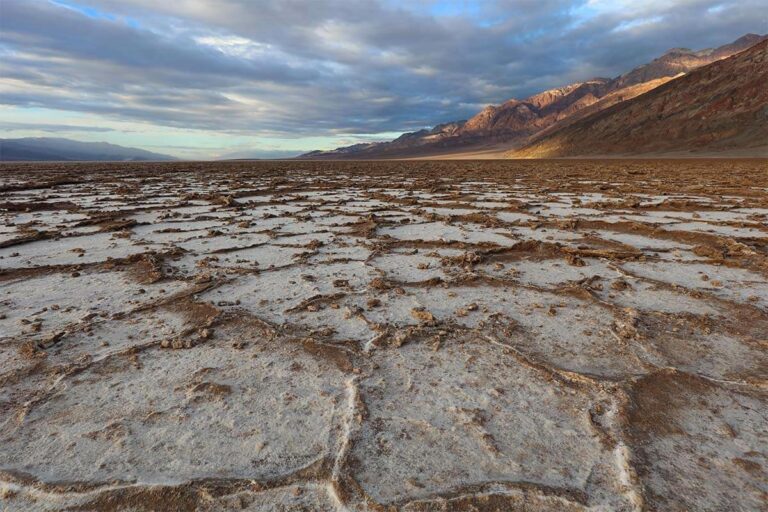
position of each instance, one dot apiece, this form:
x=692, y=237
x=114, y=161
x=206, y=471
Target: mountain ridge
x=51, y=149
x=719, y=107
x=513, y=122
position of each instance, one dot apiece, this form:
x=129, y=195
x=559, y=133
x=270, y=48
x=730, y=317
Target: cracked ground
x=418, y=336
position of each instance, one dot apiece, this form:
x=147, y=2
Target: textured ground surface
x=539, y=336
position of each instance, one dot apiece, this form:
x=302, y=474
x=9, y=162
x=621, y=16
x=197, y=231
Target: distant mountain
x=56, y=149
x=512, y=123
x=356, y=148
x=722, y=107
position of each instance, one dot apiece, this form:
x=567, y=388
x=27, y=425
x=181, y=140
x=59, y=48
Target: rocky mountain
x=58, y=149
x=422, y=140
x=683, y=60
x=721, y=107
x=346, y=150
x=610, y=99
x=512, y=123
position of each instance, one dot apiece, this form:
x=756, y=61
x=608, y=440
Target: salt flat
x=541, y=336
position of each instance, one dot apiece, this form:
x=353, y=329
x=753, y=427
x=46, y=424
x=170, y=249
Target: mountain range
x=550, y=124
x=719, y=109
x=47, y=149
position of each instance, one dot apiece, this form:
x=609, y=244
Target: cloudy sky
x=232, y=78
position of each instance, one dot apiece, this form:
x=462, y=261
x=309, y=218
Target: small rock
x=422, y=315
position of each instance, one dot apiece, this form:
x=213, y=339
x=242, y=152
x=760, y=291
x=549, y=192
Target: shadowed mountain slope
x=722, y=107
x=47, y=149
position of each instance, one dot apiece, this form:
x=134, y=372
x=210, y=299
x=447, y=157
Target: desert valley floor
x=538, y=336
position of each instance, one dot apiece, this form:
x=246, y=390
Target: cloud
x=300, y=68
x=12, y=126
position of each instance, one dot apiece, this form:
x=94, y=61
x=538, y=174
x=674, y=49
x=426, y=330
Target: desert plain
x=564, y=335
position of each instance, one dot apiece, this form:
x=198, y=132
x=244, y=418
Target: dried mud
x=418, y=336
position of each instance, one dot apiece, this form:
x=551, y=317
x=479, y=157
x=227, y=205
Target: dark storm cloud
x=300, y=67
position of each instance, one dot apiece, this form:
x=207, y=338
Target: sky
x=205, y=79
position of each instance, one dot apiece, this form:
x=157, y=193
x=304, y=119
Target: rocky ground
x=559, y=336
